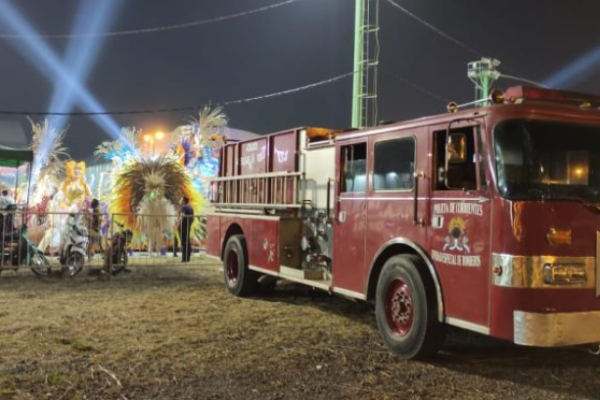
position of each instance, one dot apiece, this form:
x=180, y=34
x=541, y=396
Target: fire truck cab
x=487, y=219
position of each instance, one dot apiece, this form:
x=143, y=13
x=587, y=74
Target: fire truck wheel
x=405, y=308
x=239, y=280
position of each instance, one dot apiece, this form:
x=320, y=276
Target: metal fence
x=68, y=243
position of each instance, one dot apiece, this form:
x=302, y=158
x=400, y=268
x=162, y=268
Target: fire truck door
x=460, y=226
x=351, y=218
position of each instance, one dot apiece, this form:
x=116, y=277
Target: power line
x=150, y=30
x=289, y=91
x=415, y=86
x=435, y=29
x=457, y=42
x=222, y=103
x=188, y=108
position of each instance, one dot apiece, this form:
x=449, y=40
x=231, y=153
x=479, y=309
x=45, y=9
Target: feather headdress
x=49, y=164
x=203, y=129
x=209, y=122
x=123, y=148
x=149, y=178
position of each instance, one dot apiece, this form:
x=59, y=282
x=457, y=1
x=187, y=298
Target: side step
x=316, y=279
x=301, y=274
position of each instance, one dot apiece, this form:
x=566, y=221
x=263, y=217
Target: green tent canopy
x=11, y=157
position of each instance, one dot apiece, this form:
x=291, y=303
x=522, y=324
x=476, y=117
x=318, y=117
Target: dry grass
x=174, y=333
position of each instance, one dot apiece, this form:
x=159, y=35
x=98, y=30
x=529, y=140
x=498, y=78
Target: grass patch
x=8, y=385
x=173, y=332
x=55, y=379
x=78, y=344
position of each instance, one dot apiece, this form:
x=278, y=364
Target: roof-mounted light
x=521, y=94
x=497, y=96
x=452, y=107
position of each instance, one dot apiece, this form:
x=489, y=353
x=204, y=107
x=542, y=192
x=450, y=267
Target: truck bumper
x=556, y=329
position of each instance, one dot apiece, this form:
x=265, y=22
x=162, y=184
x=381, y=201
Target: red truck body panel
x=271, y=153
x=459, y=234
x=262, y=239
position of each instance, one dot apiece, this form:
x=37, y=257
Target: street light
x=153, y=138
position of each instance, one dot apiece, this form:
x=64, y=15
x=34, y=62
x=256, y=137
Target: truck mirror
x=456, y=148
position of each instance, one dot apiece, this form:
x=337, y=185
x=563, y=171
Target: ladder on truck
x=273, y=190
x=268, y=173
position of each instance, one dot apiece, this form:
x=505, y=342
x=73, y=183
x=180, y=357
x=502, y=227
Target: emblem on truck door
x=457, y=239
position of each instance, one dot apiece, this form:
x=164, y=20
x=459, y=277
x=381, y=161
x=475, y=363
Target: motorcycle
x=35, y=259
x=119, y=245
x=16, y=247
x=74, y=246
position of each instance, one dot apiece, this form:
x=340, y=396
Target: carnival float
x=139, y=191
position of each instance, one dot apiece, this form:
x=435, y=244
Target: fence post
x=108, y=249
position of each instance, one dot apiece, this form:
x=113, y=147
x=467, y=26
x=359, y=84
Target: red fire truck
x=487, y=219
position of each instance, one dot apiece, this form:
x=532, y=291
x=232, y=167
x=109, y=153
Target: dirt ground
x=172, y=332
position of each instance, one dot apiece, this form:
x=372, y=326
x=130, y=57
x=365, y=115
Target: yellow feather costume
x=152, y=188
x=75, y=187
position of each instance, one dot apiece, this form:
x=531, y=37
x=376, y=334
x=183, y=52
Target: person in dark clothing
x=187, y=217
x=95, y=237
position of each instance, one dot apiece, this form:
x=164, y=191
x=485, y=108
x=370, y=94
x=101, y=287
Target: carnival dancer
x=75, y=188
x=55, y=222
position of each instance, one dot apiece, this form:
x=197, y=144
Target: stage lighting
x=92, y=17
x=46, y=61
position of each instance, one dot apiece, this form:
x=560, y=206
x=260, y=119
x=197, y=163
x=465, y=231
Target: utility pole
x=366, y=60
x=483, y=73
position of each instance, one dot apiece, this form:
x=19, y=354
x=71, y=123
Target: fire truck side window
x=394, y=162
x=354, y=168
x=460, y=175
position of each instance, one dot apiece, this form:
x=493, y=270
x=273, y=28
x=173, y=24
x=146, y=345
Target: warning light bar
x=527, y=94
x=522, y=94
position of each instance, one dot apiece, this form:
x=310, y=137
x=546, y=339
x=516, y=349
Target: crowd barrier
x=53, y=240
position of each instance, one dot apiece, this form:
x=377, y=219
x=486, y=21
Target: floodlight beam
x=53, y=67
x=577, y=71
x=92, y=16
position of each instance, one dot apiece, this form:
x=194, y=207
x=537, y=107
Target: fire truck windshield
x=542, y=160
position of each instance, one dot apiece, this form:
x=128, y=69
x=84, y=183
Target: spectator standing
x=5, y=199
x=186, y=218
x=95, y=244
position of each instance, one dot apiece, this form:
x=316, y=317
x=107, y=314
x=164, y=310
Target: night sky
x=291, y=46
